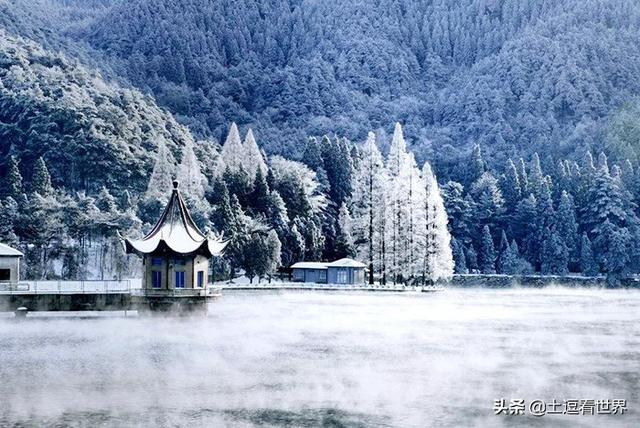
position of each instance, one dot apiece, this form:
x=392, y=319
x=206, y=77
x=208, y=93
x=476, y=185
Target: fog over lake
x=332, y=359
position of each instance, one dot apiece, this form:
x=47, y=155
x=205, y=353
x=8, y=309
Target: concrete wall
x=13, y=264
x=169, y=267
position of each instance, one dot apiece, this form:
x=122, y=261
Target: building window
x=179, y=279
x=298, y=275
x=180, y=261
x=200, y=278
x=342, y=276
x=322, y=276
x=156, y=279
x=156, y=261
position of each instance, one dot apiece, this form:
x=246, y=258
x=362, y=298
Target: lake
x=330, y=359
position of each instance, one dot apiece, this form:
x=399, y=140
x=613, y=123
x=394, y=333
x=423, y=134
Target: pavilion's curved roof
x=175, y=232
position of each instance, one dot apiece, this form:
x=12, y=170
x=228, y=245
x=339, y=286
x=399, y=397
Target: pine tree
x=232, y=153
x=477, y=167
x=487, y=255
x=588, y=265
x=260, y=197
x=438, y=261
x=369, y=181
x=253, y=159
x=566, y=225
x=459, y=209
x=344, y=240
x=160, y=186
x=192, y=180
x=554, y=256
x=41, y=181
x=472, y=259
x=511, y=186
x=489, y=204
x=14, y=179
x=504, y=253
x=523, y=177
x=459, y=257
x=397, y=152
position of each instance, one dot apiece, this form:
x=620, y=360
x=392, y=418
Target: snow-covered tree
x=163, y=173
x=192, y=180
x=369, y=181
x=588, y=265
x=41, y=181
x=233, y=153
x=487, y=255
x=437, y=257
x=253, y=159
x=344, y=241
x=14, y=179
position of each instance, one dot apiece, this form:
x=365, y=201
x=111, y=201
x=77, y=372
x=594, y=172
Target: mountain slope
x=90, y=132
x=532, y=75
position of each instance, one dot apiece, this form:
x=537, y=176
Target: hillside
x=514, y=76
x=91, y=133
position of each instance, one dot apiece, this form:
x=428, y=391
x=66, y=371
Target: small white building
x=9, y=264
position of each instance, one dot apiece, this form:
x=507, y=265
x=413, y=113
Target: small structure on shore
x=9, y=264
x=175, y=255
x=343, y=271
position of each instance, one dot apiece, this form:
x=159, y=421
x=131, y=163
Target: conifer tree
x=369, y=181
x=588, y=265
x=162, y=175
x=477, y=167
x=260, y=196
x=566, y=225
x=472, y=259
x=41, y=181
x=14, y=179
x=232, y=153
x=192, y=180
x=504, y=254
x=487, y=255
x=438, y=263
x=344, y=240
x=459, y=257
x=511, y=186
x=253, y=159
x=523, y=177
x=554, y=255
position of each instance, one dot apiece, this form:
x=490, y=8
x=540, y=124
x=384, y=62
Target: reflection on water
x=329, y=359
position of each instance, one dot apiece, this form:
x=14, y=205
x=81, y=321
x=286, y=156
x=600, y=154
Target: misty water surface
x=332, y=359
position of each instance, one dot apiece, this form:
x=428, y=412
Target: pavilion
x=175, y=253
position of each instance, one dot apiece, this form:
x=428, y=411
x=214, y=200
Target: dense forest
x=102, y=101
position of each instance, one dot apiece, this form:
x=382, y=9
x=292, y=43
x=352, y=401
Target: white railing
x=66, y=287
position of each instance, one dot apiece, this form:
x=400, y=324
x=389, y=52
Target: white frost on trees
x=192, y=180
x=162, y=174
x=369, y=181
x=253, y=159
x=437, y=255
x=399, y=218
x=232, y=153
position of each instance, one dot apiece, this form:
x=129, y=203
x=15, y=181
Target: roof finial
x=176, y=183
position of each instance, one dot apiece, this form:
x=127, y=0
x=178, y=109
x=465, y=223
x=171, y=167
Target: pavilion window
x=179, y=279
x=200, y=278
x=156, y=261
x=179, y=261
x=156, y=279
